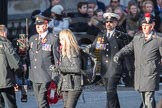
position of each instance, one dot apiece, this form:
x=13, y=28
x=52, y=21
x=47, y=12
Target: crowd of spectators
x=89, y=18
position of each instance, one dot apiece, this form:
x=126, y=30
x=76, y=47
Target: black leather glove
x=116, y=59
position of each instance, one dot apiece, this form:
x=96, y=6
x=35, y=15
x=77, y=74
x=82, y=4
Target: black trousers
x=40, y=91
x=7, y=98
x=111, y=89
x=70, y=98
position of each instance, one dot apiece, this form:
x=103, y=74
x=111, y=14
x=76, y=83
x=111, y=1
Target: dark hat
x=148, y=19
x=41, y=20
x=111, y=17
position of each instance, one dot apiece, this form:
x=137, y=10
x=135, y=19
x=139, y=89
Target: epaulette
x=120, y=32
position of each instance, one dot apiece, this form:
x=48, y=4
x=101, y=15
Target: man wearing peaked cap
x=41, y=20
x=108, y=43
x=147, y=49
x=43, y=52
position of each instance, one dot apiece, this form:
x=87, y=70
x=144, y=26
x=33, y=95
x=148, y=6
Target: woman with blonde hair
x=70, y=64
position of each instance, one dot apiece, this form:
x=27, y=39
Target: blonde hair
x=70, y=43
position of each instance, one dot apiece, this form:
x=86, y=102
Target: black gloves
x=116, y=59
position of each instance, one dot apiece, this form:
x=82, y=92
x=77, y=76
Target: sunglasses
x=109, y=22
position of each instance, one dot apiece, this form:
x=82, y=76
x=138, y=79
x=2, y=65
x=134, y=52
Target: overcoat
x=147, y=60
x=42, y=55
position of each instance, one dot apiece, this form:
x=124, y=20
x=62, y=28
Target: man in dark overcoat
x=147, y=49
x=43, y=52
x=109, y=42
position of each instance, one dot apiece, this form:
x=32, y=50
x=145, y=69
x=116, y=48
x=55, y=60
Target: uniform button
x=36, y=52
x=106, y=61
x=114, y=46
x=35, y=67
x=35, y=59
x=107, y=44
x=107, y=49
x=107, y=55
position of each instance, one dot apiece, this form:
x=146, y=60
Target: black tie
x=39, y=41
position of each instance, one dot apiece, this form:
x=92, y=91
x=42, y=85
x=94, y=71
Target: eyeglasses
x=114, y=1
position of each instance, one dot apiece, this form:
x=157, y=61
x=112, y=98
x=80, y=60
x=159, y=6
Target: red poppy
x=44, y=40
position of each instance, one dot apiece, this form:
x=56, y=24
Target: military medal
x=46, y=47
x=100, y=43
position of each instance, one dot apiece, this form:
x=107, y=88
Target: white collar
x=149, y=36
x=43, y=35
x=111, y=32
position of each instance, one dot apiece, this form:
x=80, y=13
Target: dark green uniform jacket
x=42, y=55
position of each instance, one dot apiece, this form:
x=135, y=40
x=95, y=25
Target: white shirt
x=149, y=36
x=111, y=32
x=43, y=35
